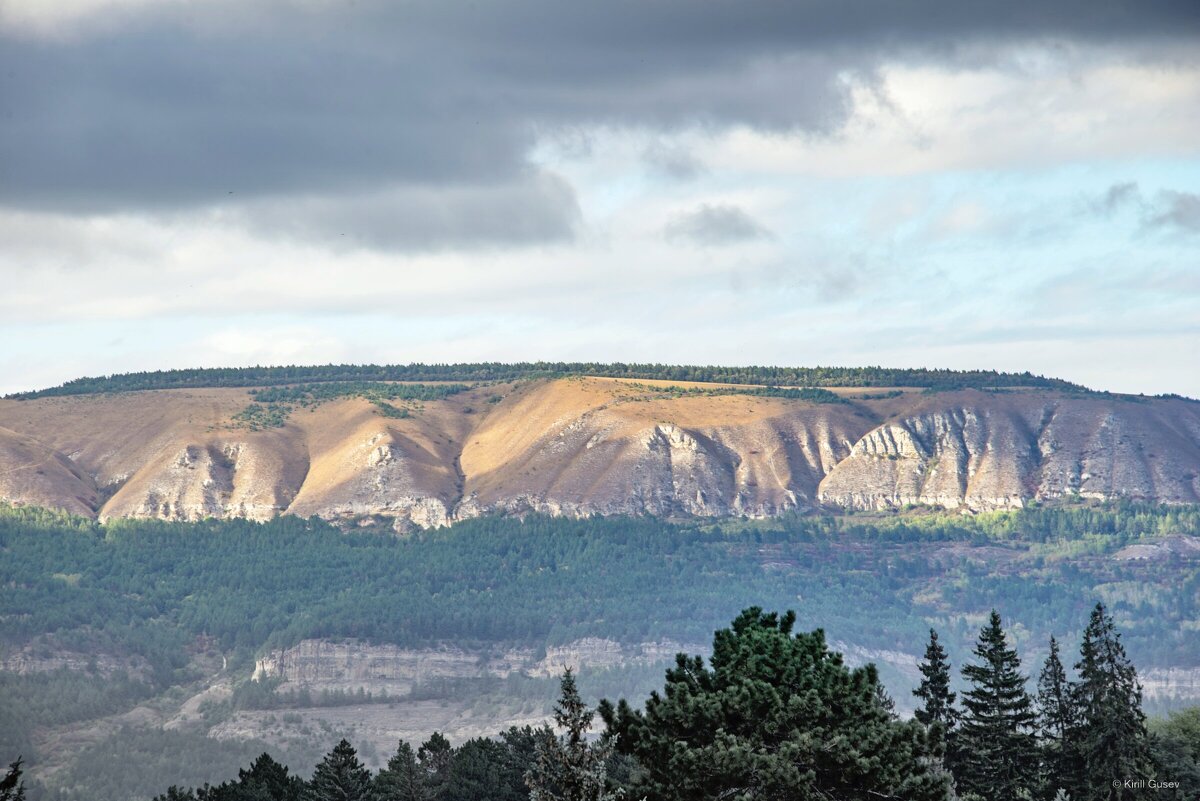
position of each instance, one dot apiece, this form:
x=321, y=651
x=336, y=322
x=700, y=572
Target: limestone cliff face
x=1167, y=684
x=30, y=661
x=591, y=446
x=255, y=479
x=350, y=665
x=999, y=452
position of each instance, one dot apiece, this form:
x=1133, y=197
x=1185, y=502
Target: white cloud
x=242, y=345
x=55, y=18
x=1082, y=104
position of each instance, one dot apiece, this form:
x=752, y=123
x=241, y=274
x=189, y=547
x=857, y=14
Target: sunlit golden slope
x=591, y=446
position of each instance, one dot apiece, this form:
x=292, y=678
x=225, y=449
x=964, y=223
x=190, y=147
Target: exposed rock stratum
x=592, y=447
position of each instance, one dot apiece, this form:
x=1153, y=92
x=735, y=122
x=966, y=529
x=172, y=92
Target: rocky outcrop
x=47, y=656
x=964, y=457
x=594, y=653
x=1167, y=548
x=581, y=447
x=380, y=473
x=1171, y=684
x=223, y=478
x=350, y=665
x=1001, y=452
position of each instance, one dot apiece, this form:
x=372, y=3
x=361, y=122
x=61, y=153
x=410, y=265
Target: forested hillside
x=125, y=622
x=552, y=580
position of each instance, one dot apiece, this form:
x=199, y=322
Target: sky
x=934, y=183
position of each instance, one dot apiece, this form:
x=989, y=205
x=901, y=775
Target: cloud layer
x=181, y=104
x=942, y=183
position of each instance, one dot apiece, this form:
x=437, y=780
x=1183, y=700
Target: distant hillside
x=497, y=371
x=126, y=649
x=427, y=455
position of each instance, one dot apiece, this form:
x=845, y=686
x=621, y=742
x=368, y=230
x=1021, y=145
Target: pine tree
x=340, y=777
x=885, y=700
x=776, y=716
x=434, y=757
x=177, y=793
x=520, y=747
x=1113, y=739
x=270, y=780
x=567, y=767
x=481, y=770
x=11, y=786
x=402, y=779
x=1058, y=726
x=998, y=750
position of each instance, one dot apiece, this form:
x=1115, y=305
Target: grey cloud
x=1118, y=196
x=183, y=104
x=1178, y=210
x=715, y=225
x=1166, y=209
x=539, y=208
x=673, y=162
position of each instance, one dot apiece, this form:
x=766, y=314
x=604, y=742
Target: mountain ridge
x=581, y=446
x=261, y=376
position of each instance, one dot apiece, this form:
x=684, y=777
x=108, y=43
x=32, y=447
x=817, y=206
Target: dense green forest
x=497, y=371
x=149, y=594
x=145, y=583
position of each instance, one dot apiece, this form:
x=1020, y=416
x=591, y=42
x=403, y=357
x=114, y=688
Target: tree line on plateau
x=499, y=371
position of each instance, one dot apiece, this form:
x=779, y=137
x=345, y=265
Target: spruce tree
x=567, y=767
x=402, y=779
x=1058, y=726
x=937, y=712
x=998, y=750
x=340, y=777
x=1113, y=739
x=934, y=691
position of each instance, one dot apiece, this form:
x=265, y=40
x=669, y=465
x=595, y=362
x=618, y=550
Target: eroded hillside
x=582, y=446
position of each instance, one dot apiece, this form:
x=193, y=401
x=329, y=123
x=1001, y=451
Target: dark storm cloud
x=714, y=225
x=184, y=105
x=538, y=208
